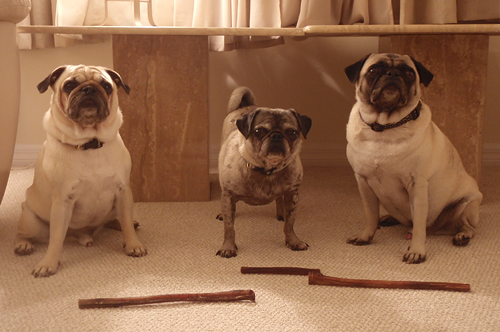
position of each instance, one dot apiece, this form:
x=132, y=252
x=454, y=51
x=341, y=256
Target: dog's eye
x=373, y=71
x=410, y=74
x=107, y=87
x=292, y=134
x=260, y=132
x=69, y=86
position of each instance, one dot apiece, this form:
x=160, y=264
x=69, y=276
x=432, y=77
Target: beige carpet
x=182, y=239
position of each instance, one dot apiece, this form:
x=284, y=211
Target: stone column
x=166, y=115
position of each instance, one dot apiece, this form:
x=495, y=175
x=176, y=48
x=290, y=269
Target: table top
x=308, y=31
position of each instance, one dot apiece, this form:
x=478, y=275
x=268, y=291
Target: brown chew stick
x=236, y=295
x=320, y=279
x=278, y=270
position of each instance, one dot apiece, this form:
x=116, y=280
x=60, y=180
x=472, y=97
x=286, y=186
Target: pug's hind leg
x=469, y=220
x=85, y=239
x=289, y=206
x=279, y=209
x=388, y=221
x=30, y=227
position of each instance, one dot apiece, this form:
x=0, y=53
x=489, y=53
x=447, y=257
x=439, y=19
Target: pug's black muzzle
x=88, y=105
x=389, y=91
x=276, y=144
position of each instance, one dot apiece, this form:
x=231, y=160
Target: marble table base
x=166, y=115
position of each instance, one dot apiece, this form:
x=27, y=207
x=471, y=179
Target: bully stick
x=320, y=279
x=278, y=270
x=236, y=295
x=317, y=278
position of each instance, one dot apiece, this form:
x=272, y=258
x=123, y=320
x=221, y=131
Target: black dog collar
x=93, y=144
x=410, y=117
x=264, y=171
x=261, y=170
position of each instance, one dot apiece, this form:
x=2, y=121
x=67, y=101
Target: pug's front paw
x=414, y=257
x=45, y=269
x=297, y=245
x=136, y=250
x=228, y=250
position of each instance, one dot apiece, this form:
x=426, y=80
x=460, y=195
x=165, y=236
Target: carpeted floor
x=182, y=239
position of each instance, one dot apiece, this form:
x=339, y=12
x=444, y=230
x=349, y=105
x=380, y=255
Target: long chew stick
x=320, y=279
x=278, y=270
x=235, y=295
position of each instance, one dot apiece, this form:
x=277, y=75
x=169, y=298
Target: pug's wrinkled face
x=273, y=135
x=86, y=99
x=84, y=93
x=388, y=81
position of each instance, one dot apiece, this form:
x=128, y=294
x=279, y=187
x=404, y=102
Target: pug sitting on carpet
x=402, y=160
x=259, y=163
x=82, y=173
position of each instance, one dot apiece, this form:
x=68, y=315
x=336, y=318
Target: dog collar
x=264, y=171
x=93, y=144
x=410, y=117
x=261, y=170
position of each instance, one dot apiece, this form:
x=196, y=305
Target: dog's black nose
x=88, y=89
x=276, y=136
x=393, y=72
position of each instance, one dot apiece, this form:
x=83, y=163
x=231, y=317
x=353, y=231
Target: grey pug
x=402, y=160
x=82, y=174
x=259, y=163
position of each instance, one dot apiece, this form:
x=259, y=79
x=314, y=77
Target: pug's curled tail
x=241, y=97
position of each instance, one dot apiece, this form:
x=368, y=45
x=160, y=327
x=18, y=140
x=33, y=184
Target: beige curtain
x=64, y=13
x=223, y=13
x=250, y=13
x=478, y=10
x=320, y=12
x=40, y=14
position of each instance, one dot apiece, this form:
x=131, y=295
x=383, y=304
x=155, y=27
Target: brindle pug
x=259, y=163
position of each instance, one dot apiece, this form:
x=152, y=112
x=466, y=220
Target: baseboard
x=25, y=154
x=316, y=155
x=491, y=154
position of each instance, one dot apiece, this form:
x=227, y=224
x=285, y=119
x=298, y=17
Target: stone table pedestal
x=166, y=115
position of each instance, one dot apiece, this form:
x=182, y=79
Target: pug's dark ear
x=305, y=122
x=118, y=80
x=425, y=75
x=244, y=123
x=51, y=79
x=353, y=70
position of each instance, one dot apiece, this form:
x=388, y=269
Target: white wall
x=306, y=75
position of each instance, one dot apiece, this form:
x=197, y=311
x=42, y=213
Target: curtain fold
x=248, y=13
x=40, y=14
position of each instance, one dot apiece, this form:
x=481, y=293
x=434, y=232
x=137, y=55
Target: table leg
x=166, y=115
